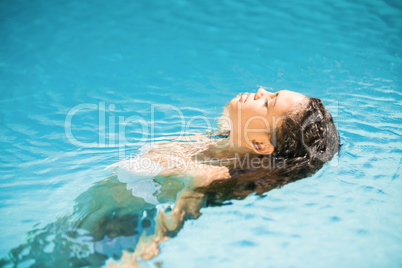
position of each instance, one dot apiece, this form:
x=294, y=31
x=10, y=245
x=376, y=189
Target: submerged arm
x=188, y=205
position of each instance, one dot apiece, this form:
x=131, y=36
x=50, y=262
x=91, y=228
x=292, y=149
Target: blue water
x=125, y=56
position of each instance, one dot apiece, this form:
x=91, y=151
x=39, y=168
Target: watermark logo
x=249, y=129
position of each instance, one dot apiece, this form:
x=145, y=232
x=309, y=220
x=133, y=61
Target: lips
x=243, y=98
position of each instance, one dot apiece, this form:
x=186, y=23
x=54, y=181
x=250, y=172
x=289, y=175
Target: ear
x=263, y=147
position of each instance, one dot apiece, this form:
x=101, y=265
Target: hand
x=205, y=175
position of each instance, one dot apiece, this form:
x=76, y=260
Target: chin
x=234, y=102
x=232, y=105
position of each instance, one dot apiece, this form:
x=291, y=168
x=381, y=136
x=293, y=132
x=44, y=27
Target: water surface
x=126, y=56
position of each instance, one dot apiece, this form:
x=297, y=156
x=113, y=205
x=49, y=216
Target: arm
x=188, y=203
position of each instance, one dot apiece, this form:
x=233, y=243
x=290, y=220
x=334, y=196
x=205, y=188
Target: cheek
x=240, y=114
x=251, y=115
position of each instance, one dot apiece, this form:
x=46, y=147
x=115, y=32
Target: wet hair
x=306, y=139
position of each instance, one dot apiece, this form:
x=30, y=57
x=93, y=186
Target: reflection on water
x=197, y=55
x=107, y=219
x=62, y=243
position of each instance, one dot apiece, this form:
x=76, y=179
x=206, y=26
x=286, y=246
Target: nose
x=262, y=92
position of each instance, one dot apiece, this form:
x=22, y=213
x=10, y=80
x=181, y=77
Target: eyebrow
x=276, y=98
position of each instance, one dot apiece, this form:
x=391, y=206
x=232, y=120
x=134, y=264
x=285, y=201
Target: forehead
x=288, y=101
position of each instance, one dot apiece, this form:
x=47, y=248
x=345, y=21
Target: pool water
x=119, y=59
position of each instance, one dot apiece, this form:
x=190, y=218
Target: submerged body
x=263, y=143
x=295, y=134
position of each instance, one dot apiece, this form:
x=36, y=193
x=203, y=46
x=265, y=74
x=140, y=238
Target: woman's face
x=255, y=116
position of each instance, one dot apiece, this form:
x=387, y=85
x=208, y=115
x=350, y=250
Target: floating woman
x=266, y=140
x=271, y=139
